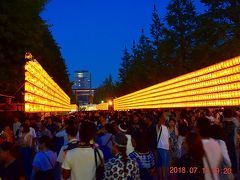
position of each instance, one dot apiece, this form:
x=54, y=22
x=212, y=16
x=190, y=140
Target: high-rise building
x=82, y=80
x=82, y=87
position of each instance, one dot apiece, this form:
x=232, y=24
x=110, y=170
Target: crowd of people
x=194, y=144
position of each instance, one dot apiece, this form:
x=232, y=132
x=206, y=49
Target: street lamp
x=110, y=103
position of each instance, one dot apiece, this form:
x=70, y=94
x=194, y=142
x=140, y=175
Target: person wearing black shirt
x=10, y=167
x=151, y=133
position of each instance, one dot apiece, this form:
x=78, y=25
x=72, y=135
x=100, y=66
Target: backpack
x=71, y=146
x=106, y=150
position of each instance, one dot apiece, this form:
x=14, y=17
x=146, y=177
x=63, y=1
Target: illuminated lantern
x=102, y=106
x=41, y=92
x=216, y=85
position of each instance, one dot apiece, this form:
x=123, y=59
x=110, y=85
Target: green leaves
x=22, y=30
x=185, y=42
x=105, y=92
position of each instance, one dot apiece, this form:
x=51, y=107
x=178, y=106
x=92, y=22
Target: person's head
x=172, y=123
x=58, y=124
x=208, y=112
x=102, y=120
x=141, y=143
x=193, y=145
x=25, y=128
x=87, y=131
x=216, y=115
x=123, y=127
x=49, y=121
x=119, y=144
x=161, y=118
x=7, y=152
x=216, y=132
x=44, y=142
x=147, y=120
x=203, y=127
x=202, y=114
x=71, y=131
x=16, y=119
x=228, y=113
x=197, y=113
x=238, y=113
x=135, y=118
x=114, y=126
x=27, y=121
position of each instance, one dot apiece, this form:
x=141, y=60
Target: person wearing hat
x=123, y=128
x=121, y=166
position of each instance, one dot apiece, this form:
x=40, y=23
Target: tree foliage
x=105, y=91
x=181, y=42
x=22, y=30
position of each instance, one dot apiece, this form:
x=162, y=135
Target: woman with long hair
x=121, y=166
x=174, y=149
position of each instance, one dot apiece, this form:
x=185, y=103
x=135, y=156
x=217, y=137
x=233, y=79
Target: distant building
x=82, y=80
x=82, y=87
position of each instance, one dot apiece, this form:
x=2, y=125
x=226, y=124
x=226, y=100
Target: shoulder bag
x=100, y=168
x=46, y=175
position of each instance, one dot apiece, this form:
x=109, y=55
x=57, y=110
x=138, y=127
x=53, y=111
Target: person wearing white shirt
x=218, y=135
x=32, y=130
x=217, y=118
x=72, y=140
x=123, y=127
x=33, y=134
x=79, y=163
x=209, y=115
x=63, y=133
x=16, y=127
x=72, y=131
x=163, y=156
x=213, y=153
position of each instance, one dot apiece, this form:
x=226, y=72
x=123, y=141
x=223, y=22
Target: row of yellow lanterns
x=216, y=67
x=190, y=84
x=210, y=86
x=42, y=94
x=198, y=88
x=102, y=106
x=39, y=72
x=210, y=103
x=43, y=108
x=47, y=83
x=31, y=98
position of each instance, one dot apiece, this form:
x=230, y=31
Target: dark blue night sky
x=93, y=33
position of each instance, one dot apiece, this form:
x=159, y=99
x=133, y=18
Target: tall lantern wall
x=41, y=93
x=216, y=85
